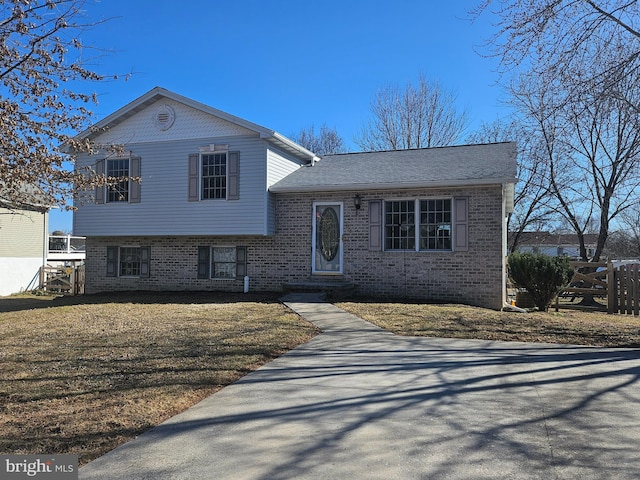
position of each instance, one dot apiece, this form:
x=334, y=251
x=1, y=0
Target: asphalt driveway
x=357, y=402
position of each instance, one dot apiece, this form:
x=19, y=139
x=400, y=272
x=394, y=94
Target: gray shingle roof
x=430, y=167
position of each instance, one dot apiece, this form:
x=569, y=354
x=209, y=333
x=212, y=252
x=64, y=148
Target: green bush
x=543, y=276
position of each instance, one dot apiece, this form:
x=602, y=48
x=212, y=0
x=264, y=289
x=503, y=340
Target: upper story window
x=126, y=170
x=429, y=230
x=118, y=168
x=214, y=175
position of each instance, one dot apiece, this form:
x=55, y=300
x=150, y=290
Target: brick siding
x=473, y=277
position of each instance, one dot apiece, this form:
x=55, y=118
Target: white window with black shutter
x=128, y=261
x=214, y=174
x=121, y=188
x=222, y=262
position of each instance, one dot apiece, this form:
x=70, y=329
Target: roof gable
x=430, y=167
x=164, y=120
x=139, y=121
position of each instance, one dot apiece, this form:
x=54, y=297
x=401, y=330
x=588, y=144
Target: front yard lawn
x=461, y=321
x=83, y=375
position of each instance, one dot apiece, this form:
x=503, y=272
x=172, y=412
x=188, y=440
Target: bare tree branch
x=41, y=53
x=420, y=116
x=326, y=141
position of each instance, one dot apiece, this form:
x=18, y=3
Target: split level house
x=223, y=204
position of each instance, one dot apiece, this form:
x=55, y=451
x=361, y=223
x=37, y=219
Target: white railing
x=66, y=244
x=66, y=247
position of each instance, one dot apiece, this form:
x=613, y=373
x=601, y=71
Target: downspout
x=45, y=246
x=506, y=196
x=504, y=246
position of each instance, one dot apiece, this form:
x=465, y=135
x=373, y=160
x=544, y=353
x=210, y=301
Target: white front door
x=327, y=238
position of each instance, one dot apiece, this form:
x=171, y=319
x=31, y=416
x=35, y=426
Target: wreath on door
x=329, y=234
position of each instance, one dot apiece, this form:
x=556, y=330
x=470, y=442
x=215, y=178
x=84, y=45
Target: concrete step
x=332, y=288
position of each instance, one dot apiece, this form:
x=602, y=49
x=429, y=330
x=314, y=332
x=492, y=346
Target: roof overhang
x=391, y=186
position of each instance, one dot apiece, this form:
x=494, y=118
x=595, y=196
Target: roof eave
x=390, y=186
x=158, y=92
x=290, y=146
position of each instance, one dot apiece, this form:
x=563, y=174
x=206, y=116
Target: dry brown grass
x=81, y=376
x=459, y=321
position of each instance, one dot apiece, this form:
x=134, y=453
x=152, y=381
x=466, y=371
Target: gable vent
x=164, y=117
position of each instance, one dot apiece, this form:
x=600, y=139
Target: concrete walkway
x=359, y=403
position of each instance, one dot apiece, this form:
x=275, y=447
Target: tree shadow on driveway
x=380, y=406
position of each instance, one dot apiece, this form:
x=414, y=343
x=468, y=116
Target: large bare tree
x=553, y=37
x=418, y=116
x=44, y=99
x=576, y=70
x=532, y=196
x=591, y=147
x=326, y=140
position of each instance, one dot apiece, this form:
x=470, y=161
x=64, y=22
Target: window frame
x=124, y=193
x=201, y=176
x=416, y=241
x=436, y=212
x=386, y=225
x=212, y=267
x=114, y=261
x=122, y=253
x=206, y=262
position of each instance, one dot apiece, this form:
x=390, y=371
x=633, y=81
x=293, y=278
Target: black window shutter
x=241, y=261
x=100, y=190
x=375, y=225
x=204, y=262
x=461, y=226
x=112, y=261
x=193, y=194
x=233, y=176
x=145, y=262
x=134, y=187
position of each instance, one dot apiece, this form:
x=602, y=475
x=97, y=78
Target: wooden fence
x=65, y=280
x=624, y=289
x=610, y=286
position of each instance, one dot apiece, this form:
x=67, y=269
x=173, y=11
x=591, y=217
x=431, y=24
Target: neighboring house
x=222, y=200
x=23, y=246
x=556, y=244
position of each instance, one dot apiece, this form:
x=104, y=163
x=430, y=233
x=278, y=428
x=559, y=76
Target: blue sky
x=287, y=64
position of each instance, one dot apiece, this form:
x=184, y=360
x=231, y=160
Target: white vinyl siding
x=23, y=233
x=190, y=124
x=23, y=239
x=279, y=165
x=165, y=208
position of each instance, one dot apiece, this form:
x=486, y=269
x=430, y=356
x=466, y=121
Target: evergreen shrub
x=543, y=276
